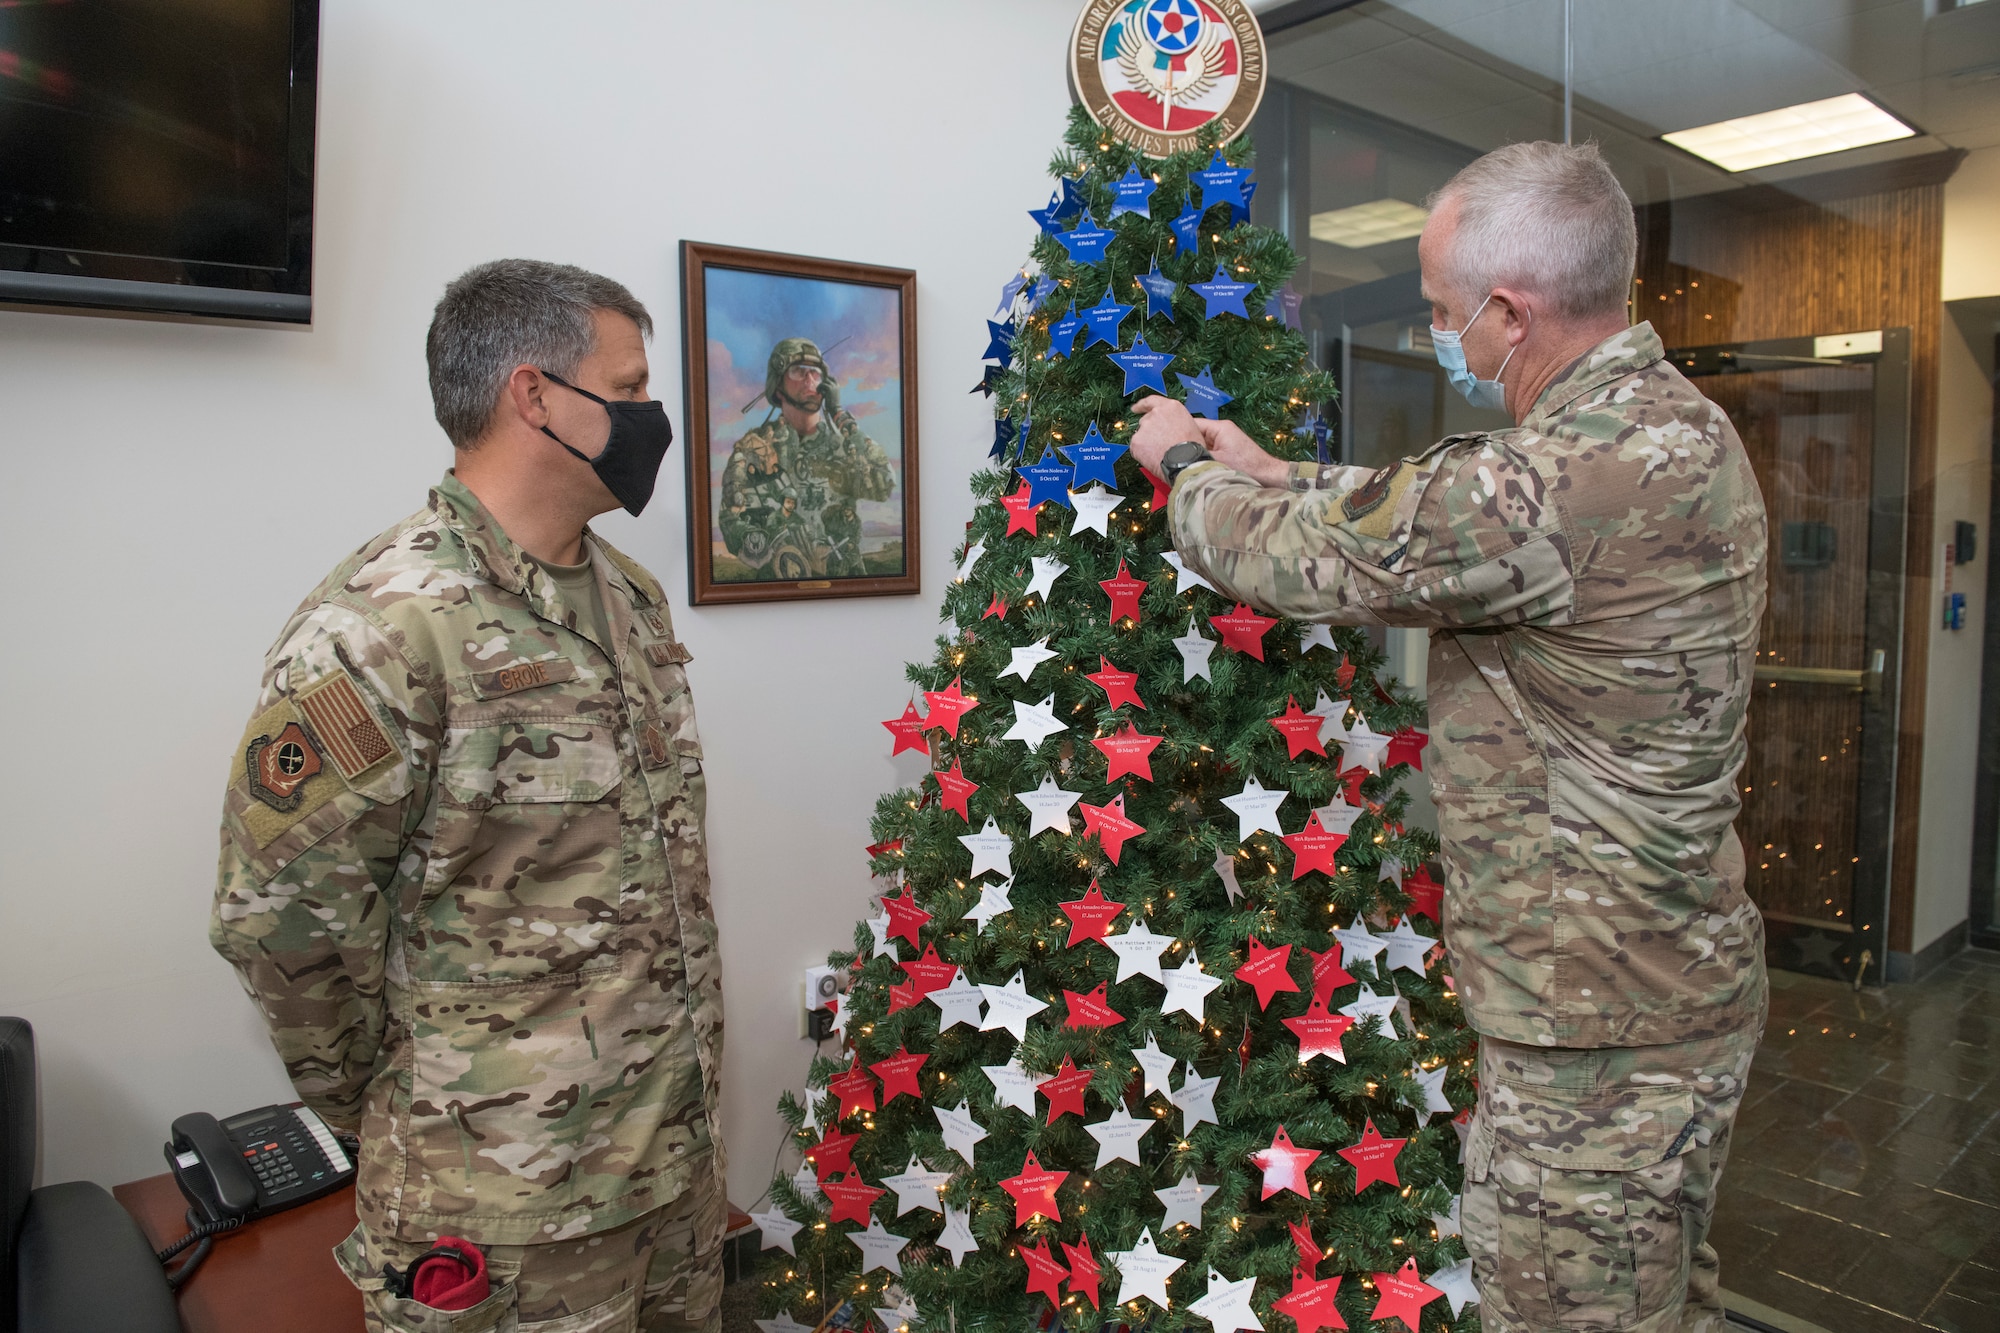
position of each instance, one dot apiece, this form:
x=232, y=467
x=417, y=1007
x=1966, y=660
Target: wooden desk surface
x=276, y=1275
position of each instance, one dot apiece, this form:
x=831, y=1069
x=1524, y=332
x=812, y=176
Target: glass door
x=1826, y=424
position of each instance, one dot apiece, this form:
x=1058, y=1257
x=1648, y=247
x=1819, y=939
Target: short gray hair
x=1547, y=218
x=506, y=313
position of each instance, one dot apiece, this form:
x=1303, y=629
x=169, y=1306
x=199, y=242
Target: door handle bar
x=1858, y=681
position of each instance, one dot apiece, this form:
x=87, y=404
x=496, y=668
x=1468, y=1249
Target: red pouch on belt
x=451, y=1275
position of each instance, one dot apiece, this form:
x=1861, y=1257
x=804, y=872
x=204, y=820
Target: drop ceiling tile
x=1339, y=37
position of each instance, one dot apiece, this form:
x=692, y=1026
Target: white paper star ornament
x=1034, y=723
x=1363, y=746
x=991, y=850
x=1368, y=1004
x=879, y=1247
x=1196, y=1098
x=1316, y=636
x=1430, y=1091
x=1012, y=1085
x=1047, y=570
x=970, y=561
x=1156, y=1065
x=777, y=1229
x=1447, y=1222
x=1455, y=1281
x=1187, y=989
x=961, y=1132
x=1185, y=579
x=1227, y=1304
x=1143, y=1271
x=917, y=1187
x=993, y=900
x=1118, y=1135
x=957, y=1234
x=958, y=1003
x=1195, y=648
x=1025, y=660
x=1138, y=951
x=1184, y=1202
x=1256, y=808
x=1093, y=510
x=1009, y=1007
x=784, y=1323
x=1048, y=806
x=1358, y=944
x=1406, y=948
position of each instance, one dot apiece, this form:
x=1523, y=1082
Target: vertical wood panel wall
x=1712, y=272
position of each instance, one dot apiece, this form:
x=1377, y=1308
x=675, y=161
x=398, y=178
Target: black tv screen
x=158, y=154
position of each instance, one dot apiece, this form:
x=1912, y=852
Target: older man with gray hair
x=1593, y=580
x=464, y=873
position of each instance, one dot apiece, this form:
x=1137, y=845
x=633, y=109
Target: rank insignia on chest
x=276, y=767
x=655, y=622
x=654, y=744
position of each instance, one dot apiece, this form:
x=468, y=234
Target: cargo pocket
x=1586, y=1199
x=496, y=1314
x=620, y=1314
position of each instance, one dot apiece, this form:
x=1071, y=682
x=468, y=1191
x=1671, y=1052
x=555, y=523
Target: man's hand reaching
x=1166, y=422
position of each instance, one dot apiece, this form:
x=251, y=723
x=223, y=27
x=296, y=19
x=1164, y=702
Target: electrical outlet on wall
x=816, y=1002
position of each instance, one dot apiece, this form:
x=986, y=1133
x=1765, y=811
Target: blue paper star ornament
x=1187, y=228
x=1221, y=183
x=1096, y=459
x=1159, y=289
x=999, y=343
x=1103, y=320
x=1223, y=294
x=1048, y=480
x=1062, y=333
x=1203, y=398
x=1086, y=240
x=1132, y=193
x=1144, y=368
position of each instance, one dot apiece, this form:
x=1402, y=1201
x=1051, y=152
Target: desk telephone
x=249, y=1166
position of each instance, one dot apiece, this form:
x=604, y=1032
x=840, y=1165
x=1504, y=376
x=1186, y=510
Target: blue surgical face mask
x=1449, y=346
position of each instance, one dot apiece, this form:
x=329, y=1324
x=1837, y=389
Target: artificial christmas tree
x=1132, y=1040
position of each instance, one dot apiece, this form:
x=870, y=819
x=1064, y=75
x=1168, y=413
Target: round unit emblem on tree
x=1155, y=72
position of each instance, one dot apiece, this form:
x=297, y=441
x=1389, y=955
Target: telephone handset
x=257, y=1163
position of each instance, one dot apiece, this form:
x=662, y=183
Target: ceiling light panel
x=1374, y=223
x=1809, y=129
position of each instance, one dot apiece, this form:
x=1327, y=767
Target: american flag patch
x=343, y=724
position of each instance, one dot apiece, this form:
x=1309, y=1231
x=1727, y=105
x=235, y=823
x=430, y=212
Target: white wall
x=169, y=490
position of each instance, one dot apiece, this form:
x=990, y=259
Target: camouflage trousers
x=661, y=1273
x=1590, y=1180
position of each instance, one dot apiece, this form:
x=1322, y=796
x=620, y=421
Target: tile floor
x=1863, y=1188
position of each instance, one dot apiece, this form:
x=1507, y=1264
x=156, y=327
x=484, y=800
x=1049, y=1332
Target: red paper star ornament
x=908, y=730
x=1243, y=630
x=1065, y=1090
x=1310, y=1304
x=1344, y=676
x=1020, y=514
x=1119, y=686
x=955, y=789
x=1130, y=751
x=930, y=972
x=946, y=707
x=1124, y=594
x=1300, y=729
x=1284, y=1166
x=1328, y=975
x=1374, y=1159
x=1406, y=746
x=1109, y=823
x=904, y=995
x=1313, y=848
x=1319, y=1032
x=855, y=1088
x=851, y=1197
x=1083, y=1270
x=1268, y=971
x=1403, y=1295
x=1045, y=1273
x=905, y=917
x=1308, y=1249
x=1034, y=1192
x=1426, y=895
x=1162, y=492
x=1351, y=780
x=834, y=1152
x=1090, y=916
x=1090, y=1010
x=995, y=609
x=899, y=1074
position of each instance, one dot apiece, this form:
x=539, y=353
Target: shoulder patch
x=1366, y=498
x=283, y=768
x=344, y=725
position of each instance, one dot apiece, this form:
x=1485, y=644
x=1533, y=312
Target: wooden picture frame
x=777, y=513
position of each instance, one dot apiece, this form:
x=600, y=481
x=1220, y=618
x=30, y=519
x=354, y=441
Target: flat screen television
x=157, y=155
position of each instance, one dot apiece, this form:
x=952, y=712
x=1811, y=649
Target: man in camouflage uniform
x=790, y=487
x=463, y=869
x=1593, y=581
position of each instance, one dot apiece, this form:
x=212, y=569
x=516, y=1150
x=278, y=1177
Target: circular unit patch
x=1154, y=72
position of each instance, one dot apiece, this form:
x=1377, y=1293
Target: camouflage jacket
x=821, y=475
x=463, y=873
x=1594, y=583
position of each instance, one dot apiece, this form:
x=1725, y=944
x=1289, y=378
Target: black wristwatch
x=1182, y=457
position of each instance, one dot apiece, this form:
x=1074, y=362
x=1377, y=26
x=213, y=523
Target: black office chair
x=71, y=1259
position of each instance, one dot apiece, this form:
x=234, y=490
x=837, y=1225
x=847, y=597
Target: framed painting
x=801, y=417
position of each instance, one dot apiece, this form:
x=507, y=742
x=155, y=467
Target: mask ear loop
x=574, y=453
x=1516, y=347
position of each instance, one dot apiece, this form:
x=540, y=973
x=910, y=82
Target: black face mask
x=629, y=464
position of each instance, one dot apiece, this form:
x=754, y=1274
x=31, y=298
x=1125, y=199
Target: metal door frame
x=1859, y=953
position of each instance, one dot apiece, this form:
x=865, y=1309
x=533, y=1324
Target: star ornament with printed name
x=1034, y=1192
x=1374, y=1159
x=1220, y=183
x=1143, y=1271
x=1144, y=368
x=928, y=973
x=1159, y=289
x=1118, y=1136
x=1090, y=916
x=1403, y=1295
x=908, y=730
x=777, y=1229
x=1299, y=728
x=1090, y=1010
x=955, y=789
x=1284, y=1166
x=1065, y=1089
x=1103, y=320
x=1227, y=1305
x=851, y=1197
x=1000, y=342
x=1045, y=1272
x=905, y=917
x=1313, y=848
x=1406, y=746
x=1083, y=1270
x=899, y=1072
x=1020, y=517
x=1132, y=193
x=1062, y=334
x=1124, y=594
x=1128, y=752
x=855, y=1088
x=917, y=1187
x=1109, y=823
x=1139, y=951
x=1119, y=686
x=1243, y=630
x=1328, y=975
x=1034, y=723
x=1203, y=398
x=1268, y=971
x=1426, y=894
x=1086, y=240
x=834, y=1152
x=1310, y=1304
x=1009, y=1007
x=991, y=850
x=880, y=1248
x=1022, y=661
x=1048, y=806
x=1224, y=294
x=946, y=707
x=1319, y=1032
x=1093, y=510
x=1095, y=458
x=1048, y=480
